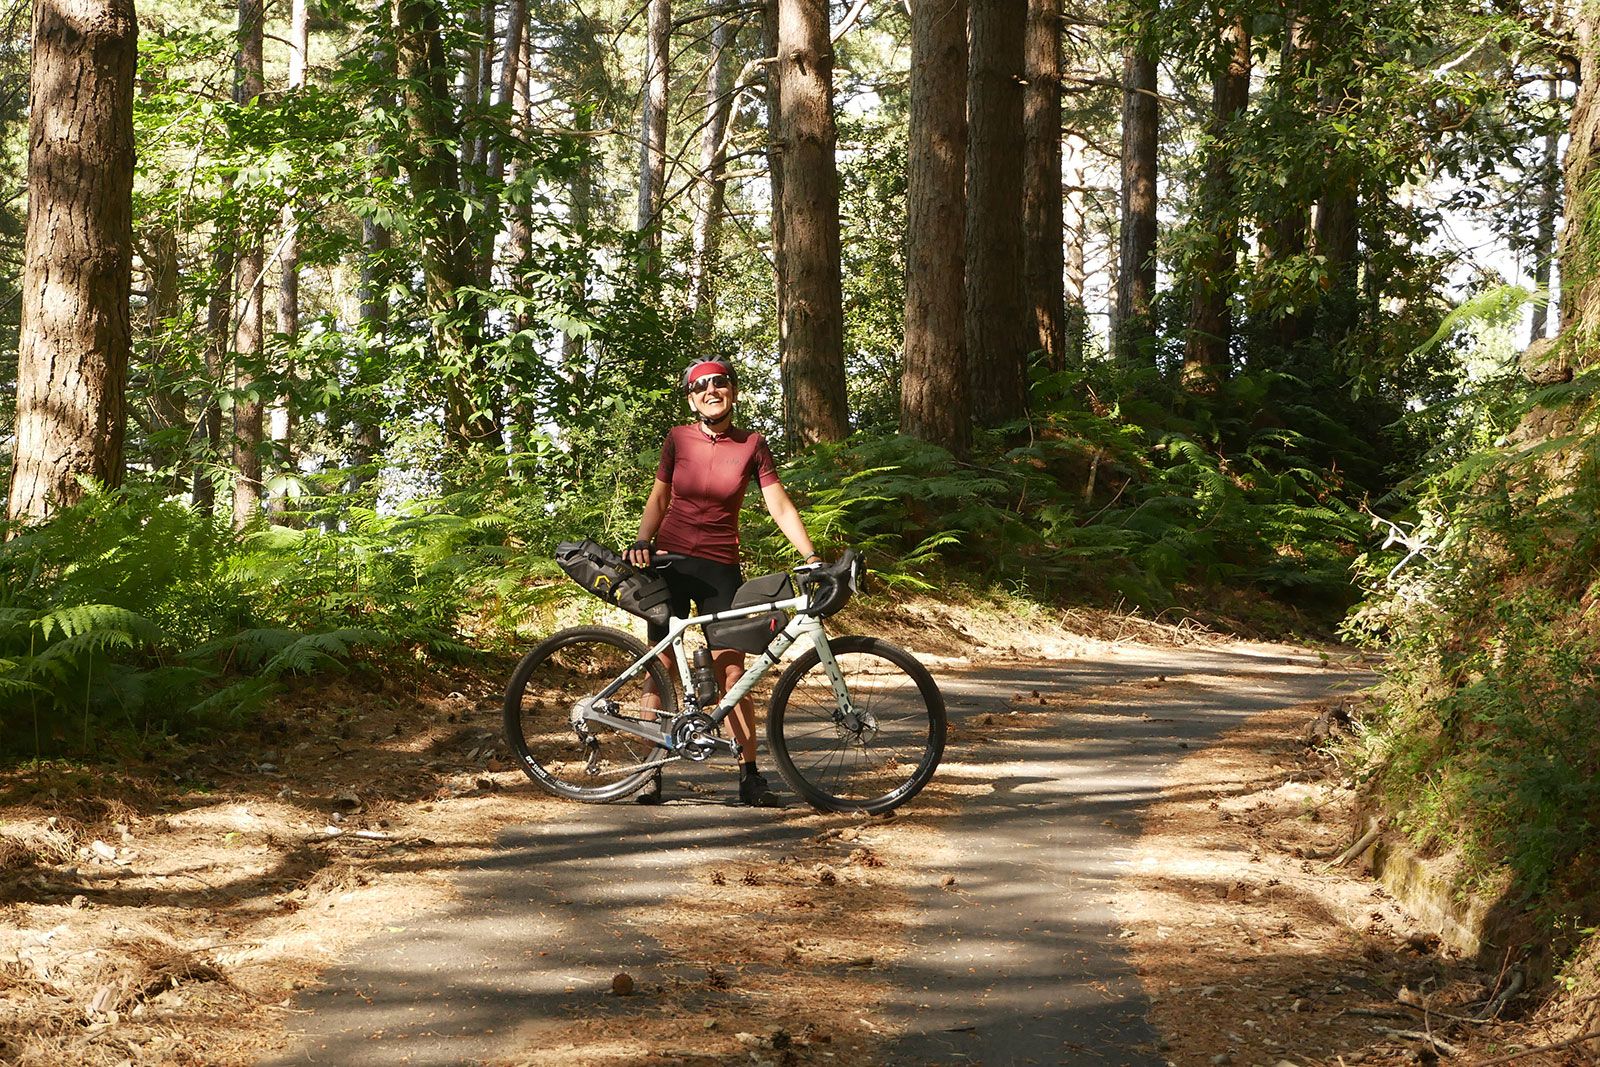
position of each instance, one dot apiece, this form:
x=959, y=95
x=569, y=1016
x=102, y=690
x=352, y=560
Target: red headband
x=710, y=366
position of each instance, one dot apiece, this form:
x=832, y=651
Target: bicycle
x=854, y=724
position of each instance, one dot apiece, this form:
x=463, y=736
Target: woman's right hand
x=640, y=554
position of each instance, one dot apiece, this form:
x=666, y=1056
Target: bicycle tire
x=830, y=768
x=549, y=681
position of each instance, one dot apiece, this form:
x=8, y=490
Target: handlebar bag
x=756, y=632
x=608, y=576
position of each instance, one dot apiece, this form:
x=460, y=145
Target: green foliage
x=131, y=613
x=1151, y=510
x=1487, y=742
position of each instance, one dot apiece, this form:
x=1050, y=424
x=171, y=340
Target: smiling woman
x=693, y=511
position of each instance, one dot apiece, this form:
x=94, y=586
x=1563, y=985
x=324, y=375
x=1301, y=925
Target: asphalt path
x=1022, y=965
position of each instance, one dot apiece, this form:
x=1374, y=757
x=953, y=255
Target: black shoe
x=651, y=793
x=754, y=791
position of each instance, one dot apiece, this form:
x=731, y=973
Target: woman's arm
x=655, y=509
x=787, y=516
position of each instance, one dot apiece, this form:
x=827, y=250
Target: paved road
x=1022, y=966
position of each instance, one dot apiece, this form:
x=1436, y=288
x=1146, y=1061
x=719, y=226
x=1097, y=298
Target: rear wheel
x=871, y=757
x=545, y=701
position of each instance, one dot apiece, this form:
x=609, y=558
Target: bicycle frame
x=658, y=732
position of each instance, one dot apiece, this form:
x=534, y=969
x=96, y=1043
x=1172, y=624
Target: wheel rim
x=858, y=766
x=554, y=751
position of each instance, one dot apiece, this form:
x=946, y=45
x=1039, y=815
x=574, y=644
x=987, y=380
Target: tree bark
x=712, y=184
x=934, y=402
x=813, y=357
x=507, y=95
x=1205, y=353
x=281, y=415
x=1283, y=236
x=653, y=132
x=169, y=414
x=1544, y=251
x=1136, y=267
x=248, y=404
x=999, y=334
x=775, y=156
x=75, y=330
x=1042, y=209
x=219, y=325
x=1580, y=238
x=446, y=245
x=1075, y=225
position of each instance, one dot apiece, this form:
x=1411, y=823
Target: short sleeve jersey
x=709, y=475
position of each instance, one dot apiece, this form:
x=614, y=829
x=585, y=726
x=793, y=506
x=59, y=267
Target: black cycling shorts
x=706, y=584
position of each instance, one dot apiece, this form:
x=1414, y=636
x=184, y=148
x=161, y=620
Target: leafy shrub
x=135, y=613
x=1487, y=741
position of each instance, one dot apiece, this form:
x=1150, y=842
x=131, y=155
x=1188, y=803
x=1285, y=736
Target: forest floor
x=174, y=911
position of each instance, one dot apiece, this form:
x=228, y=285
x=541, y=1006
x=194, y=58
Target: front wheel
x=876, y=751
x=545, y=701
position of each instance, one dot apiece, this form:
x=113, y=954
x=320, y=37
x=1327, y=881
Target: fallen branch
x=1593, y=1035
x=328, y=833
x=1362, y=844
x=1439, y=1044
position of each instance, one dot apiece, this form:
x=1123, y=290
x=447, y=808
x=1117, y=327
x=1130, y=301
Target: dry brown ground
x=1256, y=949
x=168, y=912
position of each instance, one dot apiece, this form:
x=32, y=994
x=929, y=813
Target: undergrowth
x=1487, y=745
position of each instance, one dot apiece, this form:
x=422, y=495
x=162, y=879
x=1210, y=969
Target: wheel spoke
x=584, y=760
x=872, y=769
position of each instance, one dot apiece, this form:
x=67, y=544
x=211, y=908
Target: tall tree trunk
x=506, y=96
x=72, y=357
x=1205, y=353
x=1580, y=238
x=1544, y=251
x=1075, y=225
x=446, y=260
x=934, y=402
x=1042, y=210
x=775, y=158
x=712, y=184
x=582, y=194
x=281, y=415
x=1337, y=226
x=999, y=334
x=219, y=337
x=520, y=231
x=248, y=404
x=1136, y=266
x=168, y=405
x=813, y=357
x=1283, y=236
x=373, y=291
x=653, y=132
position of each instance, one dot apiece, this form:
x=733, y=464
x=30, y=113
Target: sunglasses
x=710, y=381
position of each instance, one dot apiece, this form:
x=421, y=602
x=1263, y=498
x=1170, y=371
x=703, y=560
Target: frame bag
x=608, y=576
x=753, y=634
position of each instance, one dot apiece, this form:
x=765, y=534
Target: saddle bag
x=608, y=576
x=753, y=634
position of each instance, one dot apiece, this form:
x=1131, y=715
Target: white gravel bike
x=854, y=724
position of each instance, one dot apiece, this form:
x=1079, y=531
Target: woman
x=693, y=510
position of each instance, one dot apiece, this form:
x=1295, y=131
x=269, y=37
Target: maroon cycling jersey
x=709, y=475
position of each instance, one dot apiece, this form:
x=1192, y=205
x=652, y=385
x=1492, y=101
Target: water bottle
x=705, y=680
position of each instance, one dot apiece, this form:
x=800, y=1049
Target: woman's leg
x=730, y=667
